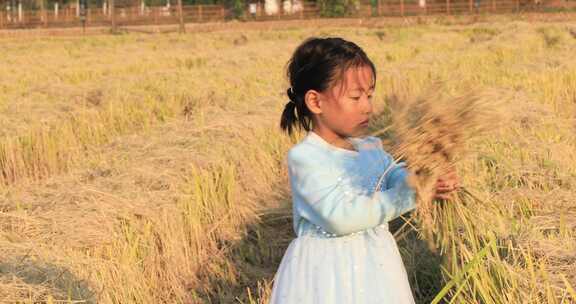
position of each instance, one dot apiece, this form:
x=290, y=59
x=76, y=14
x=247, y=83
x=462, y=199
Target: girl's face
x=346, y=107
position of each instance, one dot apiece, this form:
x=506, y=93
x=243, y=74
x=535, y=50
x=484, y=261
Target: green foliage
x=236, y=7
x=338, y=8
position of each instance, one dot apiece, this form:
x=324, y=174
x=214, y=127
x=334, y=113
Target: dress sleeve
x=328, y=200
x=396, y=177
x=397, y=173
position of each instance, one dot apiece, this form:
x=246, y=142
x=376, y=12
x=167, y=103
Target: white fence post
x=20, y=16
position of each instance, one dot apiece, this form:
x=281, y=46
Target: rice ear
x=430, y=132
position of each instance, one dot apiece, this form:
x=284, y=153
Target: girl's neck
x=334, y=138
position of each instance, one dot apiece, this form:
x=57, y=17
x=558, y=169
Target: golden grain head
x=430, y=133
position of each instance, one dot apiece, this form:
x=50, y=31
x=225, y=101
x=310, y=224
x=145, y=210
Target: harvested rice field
x=150, y=168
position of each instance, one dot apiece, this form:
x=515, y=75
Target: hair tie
x=291, y=95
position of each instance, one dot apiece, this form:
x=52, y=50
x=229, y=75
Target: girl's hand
x=446, y=185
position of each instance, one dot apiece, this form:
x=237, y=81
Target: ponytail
x=295, y=114
x=289, y=118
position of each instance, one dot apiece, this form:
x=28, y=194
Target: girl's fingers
x=446, y=185
x=443, y=196
x=446, y=188
x=444, y=182
x=444, y=193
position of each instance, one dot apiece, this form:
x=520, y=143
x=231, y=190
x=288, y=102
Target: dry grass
x=151, y=170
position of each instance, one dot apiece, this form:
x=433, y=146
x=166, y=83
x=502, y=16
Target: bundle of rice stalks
x=430, y=132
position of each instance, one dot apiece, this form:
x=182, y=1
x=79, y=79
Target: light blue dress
x=344, y=252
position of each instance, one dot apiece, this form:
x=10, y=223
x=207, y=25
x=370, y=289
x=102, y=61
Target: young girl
x=344, y=252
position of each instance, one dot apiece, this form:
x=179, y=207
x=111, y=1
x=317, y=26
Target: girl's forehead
x=357, y=78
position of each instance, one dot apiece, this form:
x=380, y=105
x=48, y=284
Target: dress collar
x=316, y=139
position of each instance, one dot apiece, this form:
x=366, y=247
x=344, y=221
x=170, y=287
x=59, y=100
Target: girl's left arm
x=396, y=177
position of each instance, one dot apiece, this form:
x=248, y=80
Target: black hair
x=315, y=65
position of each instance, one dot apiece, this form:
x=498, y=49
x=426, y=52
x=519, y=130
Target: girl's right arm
x=325, y=198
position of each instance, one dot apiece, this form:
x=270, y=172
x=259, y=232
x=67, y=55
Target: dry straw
x=430, y=133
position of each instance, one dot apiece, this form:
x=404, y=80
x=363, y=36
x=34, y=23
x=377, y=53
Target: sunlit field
x=142, y=168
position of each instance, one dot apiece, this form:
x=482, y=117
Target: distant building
x=271, y=7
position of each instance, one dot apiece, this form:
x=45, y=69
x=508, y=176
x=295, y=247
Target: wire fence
x=72, y=16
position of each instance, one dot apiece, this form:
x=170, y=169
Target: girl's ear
x=313, y=101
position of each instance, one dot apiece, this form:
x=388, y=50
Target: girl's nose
x=368, y=106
